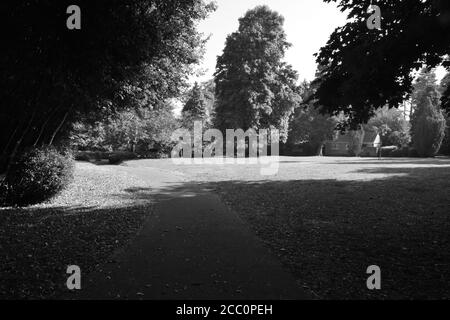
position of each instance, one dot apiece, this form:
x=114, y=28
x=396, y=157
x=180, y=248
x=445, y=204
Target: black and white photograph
x=224, y=155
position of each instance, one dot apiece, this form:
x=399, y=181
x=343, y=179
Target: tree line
x=110, y=85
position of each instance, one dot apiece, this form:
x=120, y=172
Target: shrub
x=388, y=150
x=88, y=156
x=412, y=153
x=38, y=175
x=82, y=156
x=120, y=156
x=400, y=153
x=158, y=155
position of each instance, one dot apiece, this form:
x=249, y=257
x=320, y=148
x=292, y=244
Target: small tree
x=428, y=128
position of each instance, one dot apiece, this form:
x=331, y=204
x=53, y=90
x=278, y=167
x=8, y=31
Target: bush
x=82, y=156
x=158, y=155
x=388, y=150
x=37, y=176
x=400, y=153
x=120, y=156
x=88, y=156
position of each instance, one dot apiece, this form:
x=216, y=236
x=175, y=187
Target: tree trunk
x=320, y=150
x=58, y=128
x=5, y=150
x=18, y=143
x=44, y=126
x=3, y=156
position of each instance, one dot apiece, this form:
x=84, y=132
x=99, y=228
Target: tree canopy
x=254, y=87
x=195, y=108
x=126, y=54
x=367, y=69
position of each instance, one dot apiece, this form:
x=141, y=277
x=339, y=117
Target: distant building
x=340, y=145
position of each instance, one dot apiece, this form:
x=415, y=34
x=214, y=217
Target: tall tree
x=425, y=85
x=195, y=108
x=444, y=86
x=127, y=53
x=254, y=87
x=368, y=69
x=427, y=121
x=428, y=128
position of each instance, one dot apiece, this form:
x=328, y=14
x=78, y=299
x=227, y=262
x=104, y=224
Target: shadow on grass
x=327, y=232
x=37, y=245
x=445, y=161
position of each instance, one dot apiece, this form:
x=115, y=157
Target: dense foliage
x=127, y=53
x=392, y=127
x=254, y=87
x=195, y=108
x=368, y=69
x=308, y=125
x=445, y=147
x=444, y=86
x=140, y=131
x=428, y=128
x=36, y=176
x=427, y=122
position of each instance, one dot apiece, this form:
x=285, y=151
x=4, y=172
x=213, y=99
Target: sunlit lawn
x=328, y=219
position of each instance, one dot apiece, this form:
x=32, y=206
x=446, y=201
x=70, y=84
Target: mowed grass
x=328, y=219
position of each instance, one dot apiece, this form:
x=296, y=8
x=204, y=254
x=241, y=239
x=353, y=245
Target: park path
x=191, y=247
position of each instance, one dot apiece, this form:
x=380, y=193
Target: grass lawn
x=83, y=226
x=327, y=219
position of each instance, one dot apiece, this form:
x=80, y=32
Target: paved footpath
x=191, y=247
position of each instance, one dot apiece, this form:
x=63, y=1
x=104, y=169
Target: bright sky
x=308, y=25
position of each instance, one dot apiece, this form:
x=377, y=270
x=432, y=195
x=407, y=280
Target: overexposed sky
x=308, y=25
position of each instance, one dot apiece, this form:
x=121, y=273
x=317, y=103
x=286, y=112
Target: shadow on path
x=192, y=247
